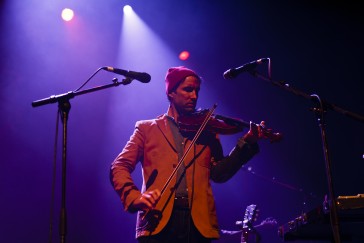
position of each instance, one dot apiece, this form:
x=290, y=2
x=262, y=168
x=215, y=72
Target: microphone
x=248, y=67
x=142, y=77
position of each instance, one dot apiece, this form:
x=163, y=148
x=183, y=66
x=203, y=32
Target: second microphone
x=140, y=76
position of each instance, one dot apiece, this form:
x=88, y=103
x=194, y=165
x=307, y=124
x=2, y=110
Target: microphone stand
x=320, y=111
x=65, y=106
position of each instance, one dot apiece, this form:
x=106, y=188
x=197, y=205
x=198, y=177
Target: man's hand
x=148, y=200
x=255, y=133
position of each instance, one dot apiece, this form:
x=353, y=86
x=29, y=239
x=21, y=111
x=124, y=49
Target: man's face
x=185, y=97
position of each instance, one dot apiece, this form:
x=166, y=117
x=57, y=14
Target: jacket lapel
x=162, y=123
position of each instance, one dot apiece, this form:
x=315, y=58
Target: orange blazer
x=152, y=144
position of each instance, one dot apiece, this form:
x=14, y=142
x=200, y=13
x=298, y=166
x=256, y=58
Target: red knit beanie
x=175, y=75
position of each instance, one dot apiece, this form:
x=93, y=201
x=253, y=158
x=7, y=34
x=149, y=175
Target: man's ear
x=171, y=95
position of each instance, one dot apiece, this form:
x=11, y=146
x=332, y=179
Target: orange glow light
x=184, y=55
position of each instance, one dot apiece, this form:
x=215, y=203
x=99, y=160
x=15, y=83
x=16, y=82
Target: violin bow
x=198, y=133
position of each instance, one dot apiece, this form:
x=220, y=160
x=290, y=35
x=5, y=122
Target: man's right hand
x=148, y=200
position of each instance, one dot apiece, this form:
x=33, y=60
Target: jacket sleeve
x=122, y=167
x=224, y=168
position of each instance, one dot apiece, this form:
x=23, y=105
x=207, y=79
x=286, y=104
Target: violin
x=220, y=124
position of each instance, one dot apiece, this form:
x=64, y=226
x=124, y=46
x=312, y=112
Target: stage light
x=67, y=14
x=184, y=55
x=127, y=9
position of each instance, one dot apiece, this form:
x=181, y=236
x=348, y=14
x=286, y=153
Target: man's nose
x=194, y=94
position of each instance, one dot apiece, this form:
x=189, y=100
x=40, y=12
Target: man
x=175, y=203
